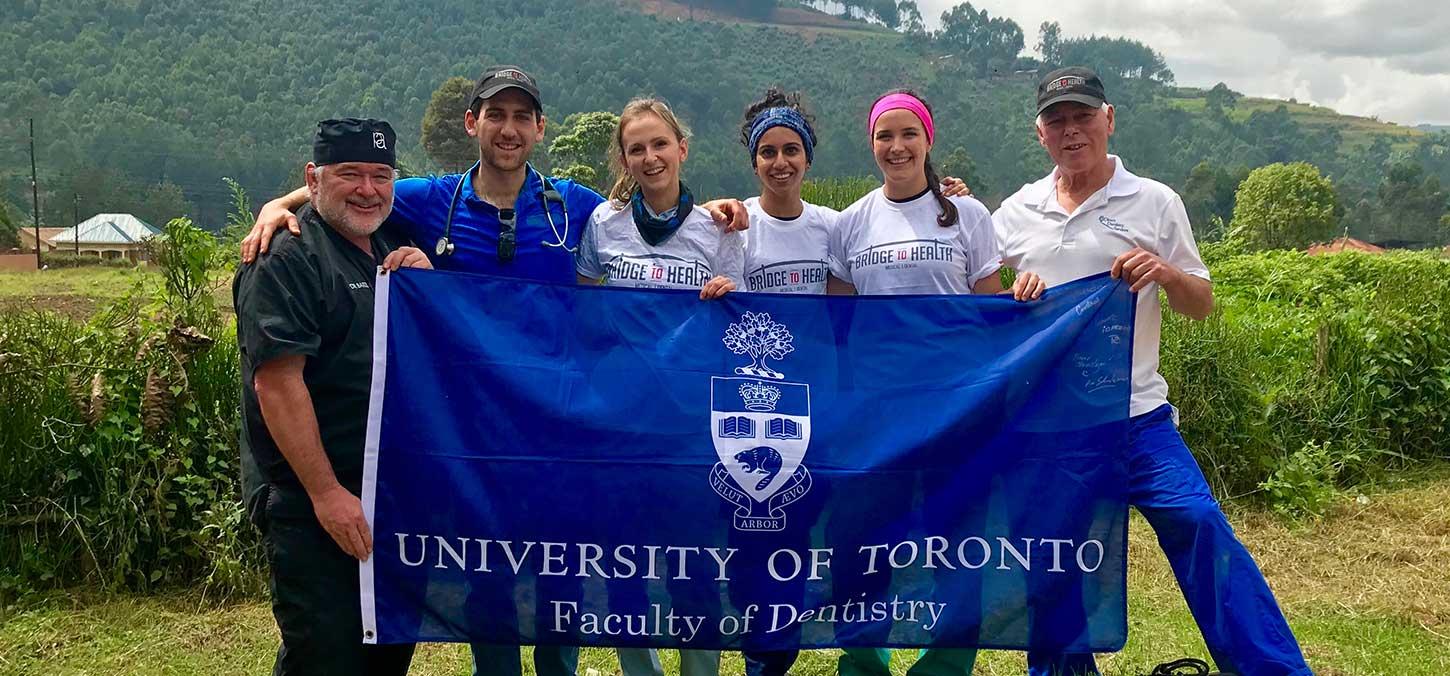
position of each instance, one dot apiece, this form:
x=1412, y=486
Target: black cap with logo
x=498, y=78
x=351, y=139
x=1074, y=83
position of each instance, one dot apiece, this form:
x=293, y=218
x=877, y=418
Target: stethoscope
x=445, y=245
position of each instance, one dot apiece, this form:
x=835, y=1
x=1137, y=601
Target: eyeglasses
x=507, y=235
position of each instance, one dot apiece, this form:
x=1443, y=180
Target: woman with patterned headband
x=785, y=250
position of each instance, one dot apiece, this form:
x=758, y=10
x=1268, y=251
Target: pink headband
x=903, y=102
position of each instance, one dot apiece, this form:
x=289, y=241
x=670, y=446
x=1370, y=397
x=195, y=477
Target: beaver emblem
x=760, y=459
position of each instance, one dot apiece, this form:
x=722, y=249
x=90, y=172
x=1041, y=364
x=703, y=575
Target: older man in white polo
x=1090, y=215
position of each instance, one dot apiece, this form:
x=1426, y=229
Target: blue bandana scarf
x=789, y=118
x=655, y=230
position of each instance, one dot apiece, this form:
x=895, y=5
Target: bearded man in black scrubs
x=304, y=328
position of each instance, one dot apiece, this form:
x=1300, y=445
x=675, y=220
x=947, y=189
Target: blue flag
x=552, y=464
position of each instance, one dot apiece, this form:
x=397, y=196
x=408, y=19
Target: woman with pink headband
x=906, y=237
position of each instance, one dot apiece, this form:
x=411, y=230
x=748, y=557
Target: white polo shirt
x=613, y=250
x=788, y=255
x=1037, y=235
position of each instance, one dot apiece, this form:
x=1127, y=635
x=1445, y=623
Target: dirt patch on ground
x=79, y=308
x=1385, y=553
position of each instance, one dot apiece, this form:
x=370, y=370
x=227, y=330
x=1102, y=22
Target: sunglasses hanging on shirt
x=507, y=234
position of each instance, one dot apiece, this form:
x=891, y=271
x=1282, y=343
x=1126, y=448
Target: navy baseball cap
x=1074, y=83
x=498, y=78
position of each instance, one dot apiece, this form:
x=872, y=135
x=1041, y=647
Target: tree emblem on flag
x=759, y=336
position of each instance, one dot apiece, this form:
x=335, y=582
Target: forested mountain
x=162, y=98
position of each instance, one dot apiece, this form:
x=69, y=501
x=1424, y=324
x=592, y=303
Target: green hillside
x=163, y=98
x=1355, y=131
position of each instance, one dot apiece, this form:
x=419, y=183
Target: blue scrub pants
x=503, y=660
x=1240, y=621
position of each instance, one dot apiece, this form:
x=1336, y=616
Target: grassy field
x=1365, y=590
x=76, y=292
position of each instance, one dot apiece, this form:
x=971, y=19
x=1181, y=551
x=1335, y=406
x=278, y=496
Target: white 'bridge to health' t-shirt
x=889, y=248
x=788, y=255
x=613, y=250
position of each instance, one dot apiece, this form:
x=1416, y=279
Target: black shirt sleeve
x=279, y=305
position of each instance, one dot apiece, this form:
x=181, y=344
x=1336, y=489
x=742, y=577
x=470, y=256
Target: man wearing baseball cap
x=500, y=217
x=304, y=331
x=1091, y=215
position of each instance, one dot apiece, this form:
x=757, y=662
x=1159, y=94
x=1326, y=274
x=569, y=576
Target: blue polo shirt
x=420, y=210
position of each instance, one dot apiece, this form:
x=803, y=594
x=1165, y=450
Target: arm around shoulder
x=275, y=215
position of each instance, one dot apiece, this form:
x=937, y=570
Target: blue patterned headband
x=789, y=118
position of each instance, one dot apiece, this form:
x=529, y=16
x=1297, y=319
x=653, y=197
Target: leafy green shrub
x=1284, y=205
x=1348, y=351
x=1304, y=483
x=120, y=440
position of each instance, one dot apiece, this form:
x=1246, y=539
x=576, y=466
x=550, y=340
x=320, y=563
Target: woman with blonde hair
x=650, y=233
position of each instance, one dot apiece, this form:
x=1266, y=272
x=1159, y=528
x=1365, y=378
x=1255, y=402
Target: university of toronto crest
x=761, y=426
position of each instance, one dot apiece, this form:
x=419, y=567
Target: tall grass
x=118, y=440
x=1314, y=372
x=837, y=193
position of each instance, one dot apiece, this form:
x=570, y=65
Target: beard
x=334, y=210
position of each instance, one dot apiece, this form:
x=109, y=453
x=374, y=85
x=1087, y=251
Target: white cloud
x=1383, y=58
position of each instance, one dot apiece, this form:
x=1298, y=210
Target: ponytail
x=623, y=190
x=948, y=209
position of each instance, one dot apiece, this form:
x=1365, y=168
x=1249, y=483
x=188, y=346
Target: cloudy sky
x=1386, y=58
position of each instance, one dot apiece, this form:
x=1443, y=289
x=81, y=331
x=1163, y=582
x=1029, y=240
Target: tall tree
x=981, y=43
x=1208, y=194
x=444, y=138
x=581, y=150
x=162, y=202
x=1116, y=57
x=911, y=22
x=1274, y=133
x=1284, y=206
x=1049, y=44
x=1409, y=207
x=959, y=163
x=9, y=238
